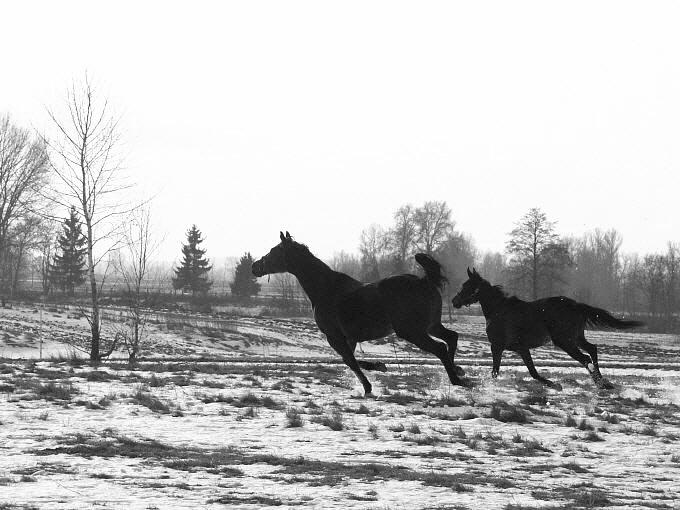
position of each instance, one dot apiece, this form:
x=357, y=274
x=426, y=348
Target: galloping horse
x=348, y=311
x=519, y=325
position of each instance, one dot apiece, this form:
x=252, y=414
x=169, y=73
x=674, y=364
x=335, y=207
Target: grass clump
x=592, y=436
x=399, y=427
x=414, y=428
x=149, y=401
x=293, y=417
x=54, y=391
x=584, y=425
x=649, y=430
x=332, y=420
x=506, y=413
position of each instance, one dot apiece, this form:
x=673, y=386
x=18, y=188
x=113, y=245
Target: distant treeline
x=537, y=262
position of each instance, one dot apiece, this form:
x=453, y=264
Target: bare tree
x=287, y=288
x=596, y=276
x=493, y=267
x=671, y=284
x=433, y=225
x=45, y=247
x=24, y=237
x=537, y=254
x=85, y=160
x=23, y=173
x=631, y=294
x=373, y=247
x=133, y=266
x=402, y=237
x=346, y=263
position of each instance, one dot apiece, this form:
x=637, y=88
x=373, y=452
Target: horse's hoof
x=459, y=371
x=380, y=367
x=605, y=384
x=465, y=383
x=369, y=394
x=555, y=386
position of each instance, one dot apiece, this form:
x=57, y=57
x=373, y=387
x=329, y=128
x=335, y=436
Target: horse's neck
x=315, y=277
x=490, y=300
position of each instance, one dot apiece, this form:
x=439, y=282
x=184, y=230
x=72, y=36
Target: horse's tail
x=433, y=270
x=599, y=318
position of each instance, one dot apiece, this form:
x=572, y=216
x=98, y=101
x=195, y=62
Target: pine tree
x=191, y=275
x=244, y=284
x=67, y=269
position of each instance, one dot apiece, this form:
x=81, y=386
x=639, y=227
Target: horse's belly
x=369, y=330
x=528, y=341
x=519, y=334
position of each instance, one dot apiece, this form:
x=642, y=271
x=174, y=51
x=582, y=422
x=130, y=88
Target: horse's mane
x=501, y=292
x=304, y=249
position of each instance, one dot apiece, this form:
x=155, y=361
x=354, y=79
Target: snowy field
x=292, y=429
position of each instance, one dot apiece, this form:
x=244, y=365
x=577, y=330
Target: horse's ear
x=469, y=273
x=474, y=271
x=283, y=238
x=288, y=236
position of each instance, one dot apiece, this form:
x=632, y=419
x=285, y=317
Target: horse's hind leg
x=590, y=348
x=451, y=339
x=589, y=362
x=529, y=362
x=439, y=349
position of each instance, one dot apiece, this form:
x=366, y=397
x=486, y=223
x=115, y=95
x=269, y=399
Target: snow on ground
x=176, y=432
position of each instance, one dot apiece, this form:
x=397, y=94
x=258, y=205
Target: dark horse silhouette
x=348, y=311
x=520, y=325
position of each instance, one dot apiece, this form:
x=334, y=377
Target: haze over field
x=324, y=118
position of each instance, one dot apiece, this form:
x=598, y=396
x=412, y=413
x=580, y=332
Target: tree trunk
x=534, y=276
x=94, y=322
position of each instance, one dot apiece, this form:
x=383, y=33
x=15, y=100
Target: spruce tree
x=244, y=284
x=191, y=275
x=67, y=269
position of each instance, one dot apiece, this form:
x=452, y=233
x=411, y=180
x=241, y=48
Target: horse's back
x=410, y=302
x=561, y=315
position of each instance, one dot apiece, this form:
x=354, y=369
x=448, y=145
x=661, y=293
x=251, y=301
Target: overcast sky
x=321, y=118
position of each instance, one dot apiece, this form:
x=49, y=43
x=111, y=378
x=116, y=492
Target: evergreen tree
x=191, y=275
x=67, y=269
x=244, y=284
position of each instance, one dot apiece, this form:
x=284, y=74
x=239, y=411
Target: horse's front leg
x=377, y=366
x=343, y=348
x=497, y=355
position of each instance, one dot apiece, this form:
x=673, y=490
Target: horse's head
x=278, y=258
x=469, y=292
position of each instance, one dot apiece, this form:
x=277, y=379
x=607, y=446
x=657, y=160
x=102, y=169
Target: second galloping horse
x=519, y=326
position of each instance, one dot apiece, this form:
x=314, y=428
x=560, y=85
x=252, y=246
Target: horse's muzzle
x=258, y=268
x=457, y=302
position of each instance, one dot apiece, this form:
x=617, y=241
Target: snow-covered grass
x=177, y=432
x=180, y=435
